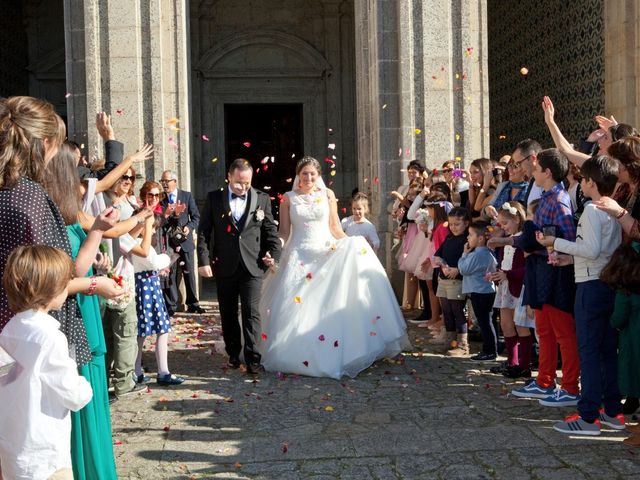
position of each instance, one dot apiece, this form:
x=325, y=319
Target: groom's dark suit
x=234, y=249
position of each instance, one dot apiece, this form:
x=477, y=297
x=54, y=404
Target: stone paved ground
x=426, y=417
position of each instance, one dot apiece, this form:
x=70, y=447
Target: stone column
x=621, y=61
x=422, y=92
x=131, y=58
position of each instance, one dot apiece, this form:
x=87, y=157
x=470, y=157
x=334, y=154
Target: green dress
x=91, y=442
x=626, y=318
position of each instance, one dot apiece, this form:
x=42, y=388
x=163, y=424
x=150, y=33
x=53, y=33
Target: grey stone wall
x=13, y=54
x=561, y=43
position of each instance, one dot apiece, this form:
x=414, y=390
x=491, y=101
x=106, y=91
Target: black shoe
x=233, y=362
x=484, y=357
x=138, y=387
x=171, y=312
x=112, y=398
x=515, y=371
x=196, y=309
x=500, y=369
x=142, y=379
x=630, y=405
x=168, y=380
x=254, y=368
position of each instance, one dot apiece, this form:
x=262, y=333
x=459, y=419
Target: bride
x=328, y=310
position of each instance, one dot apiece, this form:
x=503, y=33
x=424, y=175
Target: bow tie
x=234, y=195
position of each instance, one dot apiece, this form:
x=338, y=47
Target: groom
x=238, y=238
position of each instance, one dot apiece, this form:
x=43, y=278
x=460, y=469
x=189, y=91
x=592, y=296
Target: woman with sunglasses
x=513, y=189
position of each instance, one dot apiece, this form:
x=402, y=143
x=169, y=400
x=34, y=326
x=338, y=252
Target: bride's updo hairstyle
x=25, y=122
x=306, y=161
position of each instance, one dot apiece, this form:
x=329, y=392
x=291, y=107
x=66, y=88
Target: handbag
x=176, y=236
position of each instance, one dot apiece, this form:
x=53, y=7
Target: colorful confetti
x=214, y=159
x=309, y=276
x=284, y=447
x=305, y=363
x=335, y=344
x=205, y=138
x=384, y=106
x=524, y=71
x=417, y=131
x=67, y=95
x=469, y=51
x=264, y=337
x=321, y=338
x=297, y=300
x=376, y=180
x=328, y=408
x=331, y=146
x=247, y=144
x=333, y=173
x=173, y=121
x=120, y=111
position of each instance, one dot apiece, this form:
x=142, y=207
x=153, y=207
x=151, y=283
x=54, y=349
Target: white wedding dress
x=329, y=310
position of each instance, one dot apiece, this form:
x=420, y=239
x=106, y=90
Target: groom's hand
x=269, y=261
x=205, y=271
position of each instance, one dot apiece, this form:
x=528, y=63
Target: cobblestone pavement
x=425, y=416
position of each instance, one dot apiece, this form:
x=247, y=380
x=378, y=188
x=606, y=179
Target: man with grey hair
x=185, y=216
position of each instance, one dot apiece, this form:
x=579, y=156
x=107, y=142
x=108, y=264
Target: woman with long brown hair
x=31, y=134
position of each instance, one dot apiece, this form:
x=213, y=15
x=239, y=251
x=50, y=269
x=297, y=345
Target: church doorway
x=270, y=137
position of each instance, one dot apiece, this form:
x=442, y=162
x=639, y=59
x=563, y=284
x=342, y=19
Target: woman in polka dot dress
x=153, y=317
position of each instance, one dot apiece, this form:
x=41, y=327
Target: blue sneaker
x=533, y=390
x=560, y=398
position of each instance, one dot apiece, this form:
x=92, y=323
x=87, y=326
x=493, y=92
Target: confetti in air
x=205, y=138
x=524, y=71
x=120, y=111
x=332, y=146
x=67, y=95
x=247, y=144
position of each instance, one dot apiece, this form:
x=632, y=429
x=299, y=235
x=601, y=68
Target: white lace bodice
x=309, y=216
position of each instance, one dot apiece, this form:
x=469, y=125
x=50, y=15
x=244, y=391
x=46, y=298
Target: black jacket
x=224, y=243
x=189, y=218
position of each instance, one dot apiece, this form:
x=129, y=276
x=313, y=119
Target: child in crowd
x=598, y=236
x=410, y=295
x=623, y=274
x=153, y=317
x=437, y=207
x=476, y=266
x=44, y=384
x=357, y=223
x=449, y=291
x=551, y=290
x=510, y=276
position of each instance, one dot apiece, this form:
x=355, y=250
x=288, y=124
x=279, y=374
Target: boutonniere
x=258, y=215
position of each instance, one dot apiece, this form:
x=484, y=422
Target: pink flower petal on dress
x=321, y=338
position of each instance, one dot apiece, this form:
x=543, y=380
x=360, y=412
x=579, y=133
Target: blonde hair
x=362, y=198
x=507, y=209
x=25, y=123
x=34, y=275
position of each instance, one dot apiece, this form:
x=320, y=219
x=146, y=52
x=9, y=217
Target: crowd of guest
x=542, y=247
x=85, y=254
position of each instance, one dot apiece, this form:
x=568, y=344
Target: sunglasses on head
x=131, y=178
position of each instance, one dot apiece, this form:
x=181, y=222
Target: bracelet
x=621, y=214
x=92, y=286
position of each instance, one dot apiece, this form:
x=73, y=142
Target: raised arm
x=89, y=248
x=561, y=143
x=145, y=153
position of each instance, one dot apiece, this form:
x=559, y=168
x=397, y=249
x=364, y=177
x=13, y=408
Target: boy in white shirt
x=357, y=223
x=43, y=385
x=597, y=237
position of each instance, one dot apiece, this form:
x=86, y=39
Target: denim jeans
x=597, y=348
x=483, y=308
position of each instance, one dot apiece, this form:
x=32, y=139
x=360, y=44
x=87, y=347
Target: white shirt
x=172, y=197
x=238, y=205
x=597, y=237
x=365, y=229
x=536, y=193
x=36, y=396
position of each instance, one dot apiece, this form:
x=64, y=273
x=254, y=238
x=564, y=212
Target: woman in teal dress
x=91, y=443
